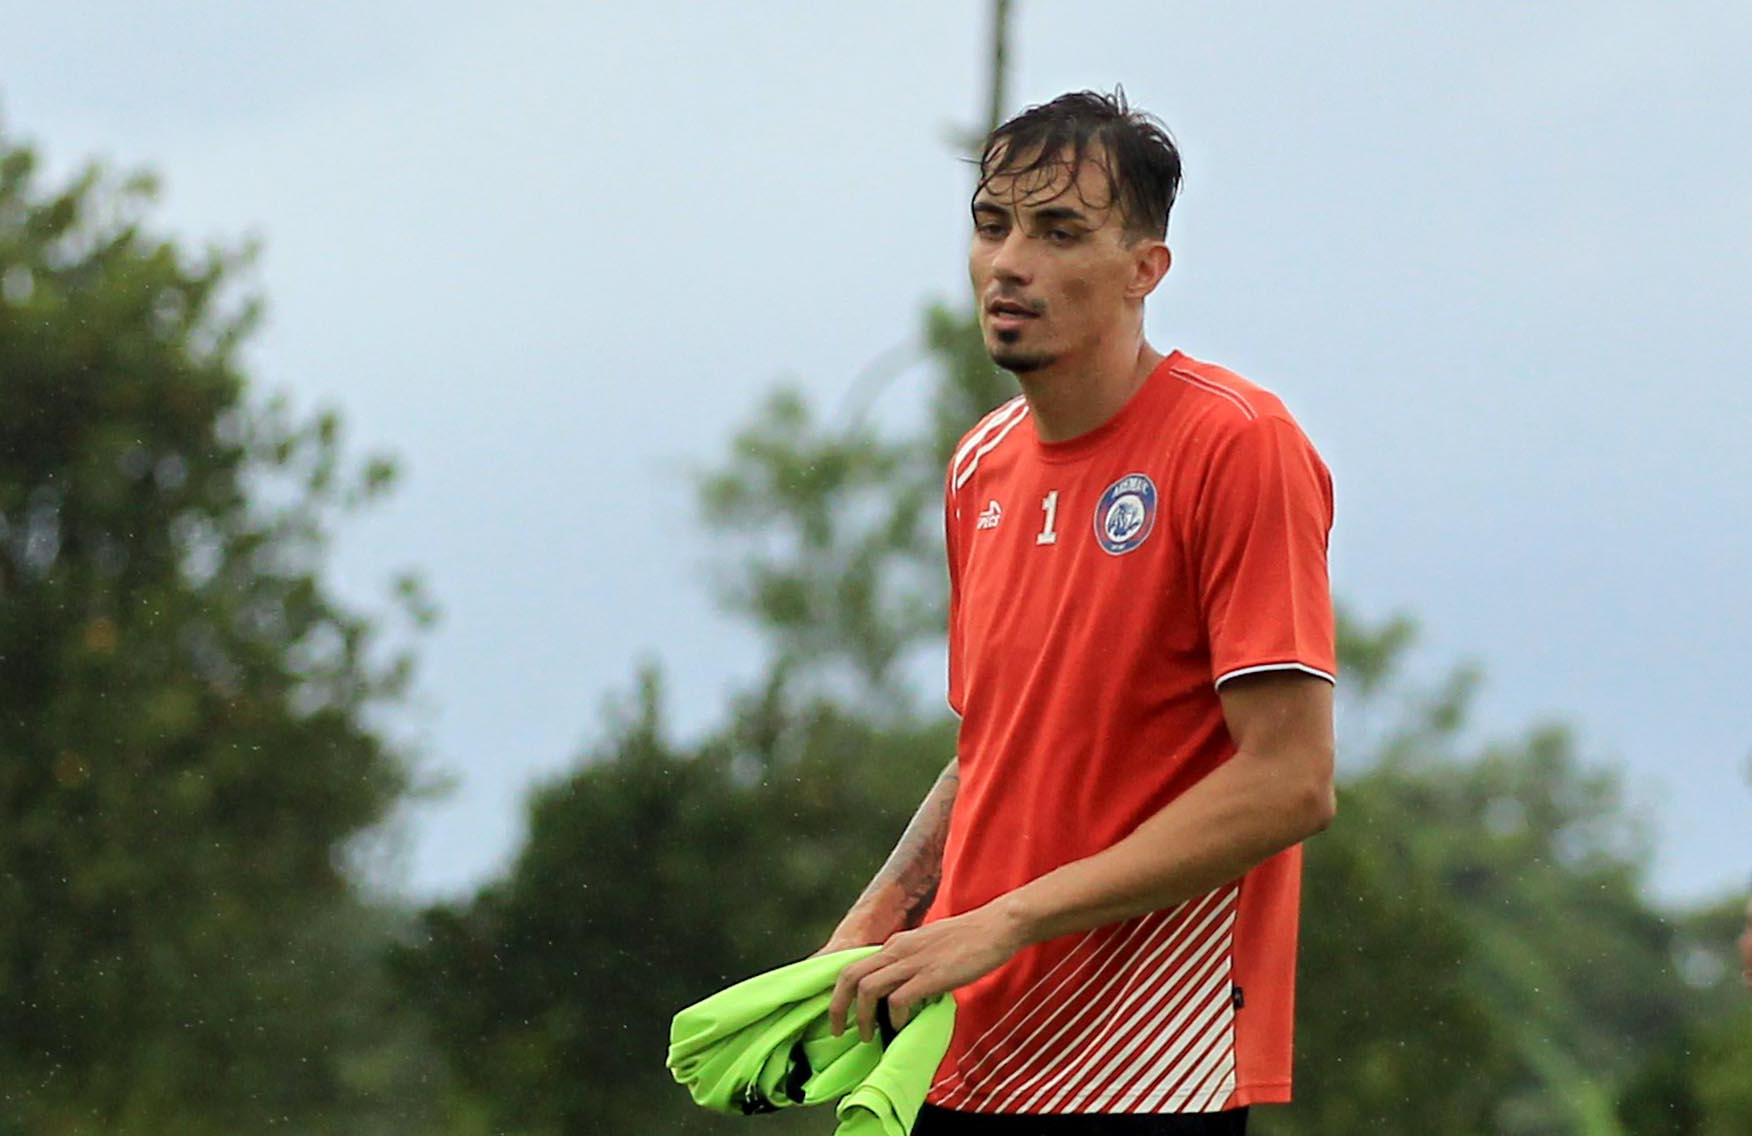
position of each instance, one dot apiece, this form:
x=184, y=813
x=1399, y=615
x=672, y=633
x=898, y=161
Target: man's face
x=1053, y=269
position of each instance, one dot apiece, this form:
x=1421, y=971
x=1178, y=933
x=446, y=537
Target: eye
x=1060, y=236
x=989, y=229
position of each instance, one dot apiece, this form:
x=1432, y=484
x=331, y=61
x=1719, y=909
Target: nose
x=1011, y=263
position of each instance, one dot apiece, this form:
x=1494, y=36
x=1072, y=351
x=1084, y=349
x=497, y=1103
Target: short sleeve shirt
x=1102, y=589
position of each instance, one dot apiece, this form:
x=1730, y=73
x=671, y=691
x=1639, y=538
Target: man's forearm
x=899, y=894
x=1240, y=814
x=1235, y=817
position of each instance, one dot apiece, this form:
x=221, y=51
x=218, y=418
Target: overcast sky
x=1497, y=258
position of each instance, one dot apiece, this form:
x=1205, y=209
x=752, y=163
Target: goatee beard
x=1020, y=362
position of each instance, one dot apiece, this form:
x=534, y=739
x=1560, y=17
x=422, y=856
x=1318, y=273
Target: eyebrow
x=1046, y=214
x=1061, y=213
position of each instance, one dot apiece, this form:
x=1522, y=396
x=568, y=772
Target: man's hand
x=914, y=965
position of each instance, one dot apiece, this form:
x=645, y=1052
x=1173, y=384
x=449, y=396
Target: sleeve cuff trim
x=1303, y=667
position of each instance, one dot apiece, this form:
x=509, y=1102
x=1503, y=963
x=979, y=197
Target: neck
x=1077, y=396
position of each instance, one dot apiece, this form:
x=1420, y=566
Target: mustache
x=1033, y=307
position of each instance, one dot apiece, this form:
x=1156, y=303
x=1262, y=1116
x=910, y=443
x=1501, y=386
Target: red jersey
x=1101, y=589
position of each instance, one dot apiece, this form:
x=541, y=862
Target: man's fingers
x=872, y=988
x=845, y=989
x=867, y=996
x=904, y=999
x=866, y=982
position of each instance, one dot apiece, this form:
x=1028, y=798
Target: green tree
x=1462, y=848
x=653, y=876
x=1389, y=1025
x=186, y=755
x=1698, y=1080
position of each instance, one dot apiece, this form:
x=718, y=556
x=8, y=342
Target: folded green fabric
x=764, y=1044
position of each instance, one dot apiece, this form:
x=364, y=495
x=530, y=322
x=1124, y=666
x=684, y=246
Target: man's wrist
x=1018, y=919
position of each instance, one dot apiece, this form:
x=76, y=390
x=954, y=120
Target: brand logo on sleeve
x=1125, y=514
x=993, y=513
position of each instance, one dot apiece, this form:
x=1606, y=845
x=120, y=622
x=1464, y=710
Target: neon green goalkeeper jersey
x=764, y=1044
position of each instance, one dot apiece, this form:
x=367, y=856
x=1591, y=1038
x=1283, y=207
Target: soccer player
x=1141, y=652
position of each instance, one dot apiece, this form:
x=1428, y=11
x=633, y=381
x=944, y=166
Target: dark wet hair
x=1134, y=148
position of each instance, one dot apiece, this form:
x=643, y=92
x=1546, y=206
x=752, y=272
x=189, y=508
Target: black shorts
x=935, y=1121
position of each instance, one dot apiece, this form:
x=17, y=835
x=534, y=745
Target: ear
x=1150, y=262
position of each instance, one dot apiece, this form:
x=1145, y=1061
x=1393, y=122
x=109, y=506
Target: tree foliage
x=185, y=759
x=654, y=875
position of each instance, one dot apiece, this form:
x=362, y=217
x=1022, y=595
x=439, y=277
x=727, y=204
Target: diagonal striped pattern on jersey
x=985, y=438
x=1068, y=1007
x=978, y=434
x=1110, y=946
x=1135, y=1019
x=1182, y=1060
x=1165, y=1019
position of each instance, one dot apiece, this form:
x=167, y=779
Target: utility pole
x=1000, y=75
x=970, y=140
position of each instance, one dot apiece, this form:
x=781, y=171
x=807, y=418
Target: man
x=1141, y=650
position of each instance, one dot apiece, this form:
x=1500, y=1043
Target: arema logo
x=989, y=519
x=1125, y=514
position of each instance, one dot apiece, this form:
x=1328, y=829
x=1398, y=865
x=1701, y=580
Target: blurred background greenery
x=192, y=765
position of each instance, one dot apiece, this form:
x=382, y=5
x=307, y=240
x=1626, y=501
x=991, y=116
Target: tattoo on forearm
x=915, y=866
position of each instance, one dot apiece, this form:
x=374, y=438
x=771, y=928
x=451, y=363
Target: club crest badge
x=1125, y=514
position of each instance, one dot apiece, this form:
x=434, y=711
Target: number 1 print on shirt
x=1047, y=534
